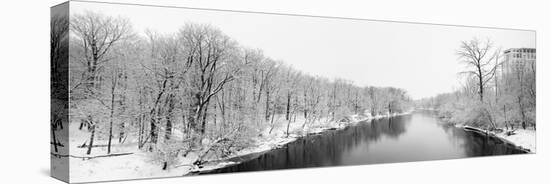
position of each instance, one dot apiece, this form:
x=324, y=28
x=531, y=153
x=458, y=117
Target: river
x=418, y=136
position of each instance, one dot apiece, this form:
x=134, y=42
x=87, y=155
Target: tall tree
x=167, y=67
x=208, y=53
x=479, y=57
x=97, y=34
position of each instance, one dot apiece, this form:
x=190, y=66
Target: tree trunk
x=168, y=131
x=195, y=111
x=90, y=81
x=113, y=90
x=305, y=105
x=214, y=118
x=54, y=138
x=121, y=135
x=267, y=105
x=204, y=116
x=110, y=133
x=59, y=123
x=288, y=128
x=288, y=106
x=81, y=124
x=91, y=139
x=480, y=83
x=272, y=119
x=289, y=119
x=141, y=130
x=153, y=130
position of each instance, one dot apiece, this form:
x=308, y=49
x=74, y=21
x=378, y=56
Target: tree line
x=174, y=93
x=496, y=93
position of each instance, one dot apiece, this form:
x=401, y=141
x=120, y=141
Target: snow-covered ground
x=278, y=137
x=142, y=164
x=139, y=164
x=523, y=138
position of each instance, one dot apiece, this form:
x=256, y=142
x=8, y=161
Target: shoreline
x=143, y=164
x=229, y=161
x=279, y=142
x=138, y=165
x=523, y=139
x=517, y=142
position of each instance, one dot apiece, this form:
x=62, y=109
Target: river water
x=415, y=137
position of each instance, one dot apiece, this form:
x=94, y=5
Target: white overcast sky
x=417, y=57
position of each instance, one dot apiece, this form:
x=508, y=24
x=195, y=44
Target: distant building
x=517, y=57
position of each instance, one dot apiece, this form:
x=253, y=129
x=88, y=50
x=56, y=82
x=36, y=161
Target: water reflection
x=415, y=137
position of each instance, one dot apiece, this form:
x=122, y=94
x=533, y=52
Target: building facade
x=516, y=58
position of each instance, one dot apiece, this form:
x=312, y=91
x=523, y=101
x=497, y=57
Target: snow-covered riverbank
x=143, y=164
x=278, y=137
x=522, y=138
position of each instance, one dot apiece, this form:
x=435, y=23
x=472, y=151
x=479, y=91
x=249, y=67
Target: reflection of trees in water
x=454, y=135
x=396, y=126
x=481, y=145
x=329, y=148
x=475, y=144
x=326, y=149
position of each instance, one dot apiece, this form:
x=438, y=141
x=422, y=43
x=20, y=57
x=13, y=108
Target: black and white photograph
x=141, y=91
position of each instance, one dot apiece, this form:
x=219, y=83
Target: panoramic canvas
x=143, y=91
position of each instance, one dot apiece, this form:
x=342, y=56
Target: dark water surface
x=415, y=137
